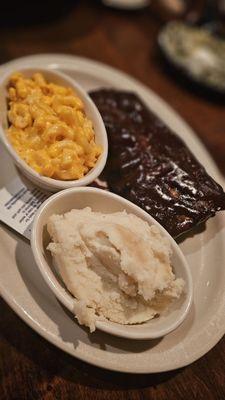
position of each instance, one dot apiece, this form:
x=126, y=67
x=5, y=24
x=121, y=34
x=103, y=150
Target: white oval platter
x=23, y=288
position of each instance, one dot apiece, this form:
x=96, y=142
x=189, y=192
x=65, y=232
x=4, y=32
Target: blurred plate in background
x=126, y=4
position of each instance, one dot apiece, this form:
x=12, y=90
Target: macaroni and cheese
x=49, y=129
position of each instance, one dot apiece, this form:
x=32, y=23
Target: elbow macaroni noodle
x=49, y=129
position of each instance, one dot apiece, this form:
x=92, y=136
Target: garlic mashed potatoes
x=115, y=265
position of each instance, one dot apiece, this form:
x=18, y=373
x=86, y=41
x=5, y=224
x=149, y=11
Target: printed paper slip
x=19, y=201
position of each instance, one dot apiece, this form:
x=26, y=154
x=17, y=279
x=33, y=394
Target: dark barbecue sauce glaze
x=151, y=166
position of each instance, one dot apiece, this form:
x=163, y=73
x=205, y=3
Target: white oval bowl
x=106, y=202
x=91, y=111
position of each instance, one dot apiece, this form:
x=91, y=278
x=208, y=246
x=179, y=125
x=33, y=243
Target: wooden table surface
x=30, y=367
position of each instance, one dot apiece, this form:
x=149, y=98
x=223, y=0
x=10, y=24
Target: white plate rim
x=67, y=61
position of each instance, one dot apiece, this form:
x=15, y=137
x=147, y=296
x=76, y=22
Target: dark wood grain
x=30, y=367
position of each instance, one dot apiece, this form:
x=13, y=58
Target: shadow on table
x=27, y=13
